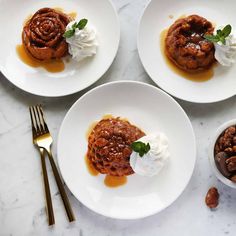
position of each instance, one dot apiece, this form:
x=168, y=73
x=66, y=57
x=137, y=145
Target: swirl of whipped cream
x=83, y=43
x=226, y=54
x=156, y=158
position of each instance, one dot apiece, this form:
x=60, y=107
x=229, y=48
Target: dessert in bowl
x=222, y=153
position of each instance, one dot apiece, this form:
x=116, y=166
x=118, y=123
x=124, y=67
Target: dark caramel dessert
x=42, y=35
x=186, y=46
x=225, y=153
x=109, y=146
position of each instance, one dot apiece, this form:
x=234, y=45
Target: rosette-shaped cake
x=42, y=35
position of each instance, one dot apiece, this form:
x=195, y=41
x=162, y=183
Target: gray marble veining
x=22, y=204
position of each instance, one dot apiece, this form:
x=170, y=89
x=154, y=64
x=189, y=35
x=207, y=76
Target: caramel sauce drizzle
x=52, y=66
x=115, y=181
x=90, y=167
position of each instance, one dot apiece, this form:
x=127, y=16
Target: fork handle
x=51, y=220
x=61, y=188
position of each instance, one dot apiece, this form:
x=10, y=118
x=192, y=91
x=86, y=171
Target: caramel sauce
x=182, y=16
x=114, y=181
x=91, y=127
x=58, y=9
x=71, y=14
x=107, y=116
x=90, y=167
x=197, y=77
x=53, y=66
x=27, y=19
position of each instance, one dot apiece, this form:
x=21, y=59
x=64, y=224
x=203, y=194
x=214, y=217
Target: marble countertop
x=22, y=206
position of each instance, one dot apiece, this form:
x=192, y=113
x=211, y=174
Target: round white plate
x=155, y=19
x=76, y=76
x=150, y=109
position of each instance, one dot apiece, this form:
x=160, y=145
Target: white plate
x=150, y=109
x=76, y=76
x=155, y=19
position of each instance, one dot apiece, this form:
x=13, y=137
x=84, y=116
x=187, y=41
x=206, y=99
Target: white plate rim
x=169, y=97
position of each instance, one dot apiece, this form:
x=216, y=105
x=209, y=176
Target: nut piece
x=212, y=198
x=226, y=141
x=231, y=163
x=220, y=160
x=233, y=178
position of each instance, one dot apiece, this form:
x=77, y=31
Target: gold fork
x=44, y=140
x=35, y=130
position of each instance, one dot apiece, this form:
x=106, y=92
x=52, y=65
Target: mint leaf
x=226, y=31
x=140, y=147
x=82, y=23
x=219, y=32
x=212, y=38
x=220, y=36
x=69, y=33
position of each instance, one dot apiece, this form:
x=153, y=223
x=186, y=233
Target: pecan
x=234, y=148
x=231, y=163
x=229, y=150
x=233, y=178
x=220, y=160
x=230, y=131
x=212, y=198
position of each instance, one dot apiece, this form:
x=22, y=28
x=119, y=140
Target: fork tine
x=37, y=119
x=40, y=109
x=32, y=118
x=40, y=118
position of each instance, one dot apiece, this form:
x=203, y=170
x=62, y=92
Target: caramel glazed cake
x=186, y=46
x=109, y=146
x=42, y=35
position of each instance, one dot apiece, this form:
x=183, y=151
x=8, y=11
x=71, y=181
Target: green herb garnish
x=220, y=36
x=77, y=25
x=140, y=147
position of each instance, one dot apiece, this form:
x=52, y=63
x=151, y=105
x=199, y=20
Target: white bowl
x=218, y=132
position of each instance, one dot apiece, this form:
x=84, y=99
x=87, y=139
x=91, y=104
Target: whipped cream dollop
x=226, y=54
x=152, y=162
x=83, y=43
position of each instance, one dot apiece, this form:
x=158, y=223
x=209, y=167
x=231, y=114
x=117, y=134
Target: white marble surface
x=22, y=205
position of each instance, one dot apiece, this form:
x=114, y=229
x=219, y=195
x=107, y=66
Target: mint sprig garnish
x=140, y=147
x=220, y=35
x=77, y=25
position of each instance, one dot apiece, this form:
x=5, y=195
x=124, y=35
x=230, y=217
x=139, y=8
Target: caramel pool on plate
x=109, y=181
x=115, y=181
x=53, y=66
